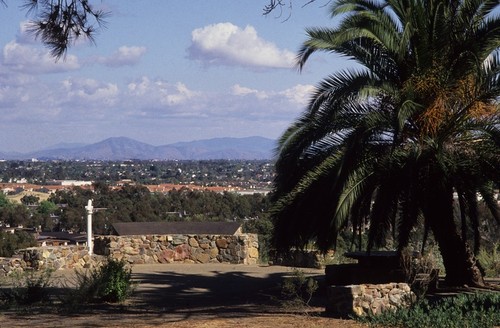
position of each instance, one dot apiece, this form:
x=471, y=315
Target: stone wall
x=10, y=264
x=50, y=257
x=366, y=299
x=240, y=249
x=236, y=249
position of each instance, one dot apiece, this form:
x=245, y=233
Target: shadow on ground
x=229, y=293
x=166, y=294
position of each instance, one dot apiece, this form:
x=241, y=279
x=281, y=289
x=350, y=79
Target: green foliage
x=25, y=288
x=400, y=141
x=264, y=228
x=465, y=310
x=47, y=207
x=14, y=214
x=30, y=199
x=4, y=201
x=420, y=271
x=134, y=203
x=298, y=290
x=490, y=261
x=9, y=242
x=109, y=283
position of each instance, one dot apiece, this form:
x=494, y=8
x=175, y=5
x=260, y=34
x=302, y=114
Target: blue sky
x=161, y=72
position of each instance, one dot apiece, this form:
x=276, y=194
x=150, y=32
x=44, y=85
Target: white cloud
x=90, y=91
x=299, y=94
x=30, y=60
x=182, y=94
x=24, y=36
x=99, y=109
x=124, y=56
x=161, y=92
x=238, y=90
x=228, y=44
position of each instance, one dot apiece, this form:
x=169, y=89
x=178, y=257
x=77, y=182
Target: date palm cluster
x=403, y=139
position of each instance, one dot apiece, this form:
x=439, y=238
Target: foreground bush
x=110, y=282
x=465, y=310
x=490, y=260
x=298, y=290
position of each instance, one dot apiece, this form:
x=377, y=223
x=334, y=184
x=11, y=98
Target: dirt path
x=185, y=295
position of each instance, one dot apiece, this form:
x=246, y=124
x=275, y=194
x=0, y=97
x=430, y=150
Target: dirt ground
x=191, y=295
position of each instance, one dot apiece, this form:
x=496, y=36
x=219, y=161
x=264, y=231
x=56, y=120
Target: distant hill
x=122, y=148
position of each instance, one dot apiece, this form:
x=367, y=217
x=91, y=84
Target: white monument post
x=90, y=210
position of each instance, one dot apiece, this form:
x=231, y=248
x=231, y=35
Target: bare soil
x=185, y=295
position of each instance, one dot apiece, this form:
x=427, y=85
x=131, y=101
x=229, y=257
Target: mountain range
x=122, y=148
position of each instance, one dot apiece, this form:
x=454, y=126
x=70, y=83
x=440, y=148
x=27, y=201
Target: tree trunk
x=459, y=261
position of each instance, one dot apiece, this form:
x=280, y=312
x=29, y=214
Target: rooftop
x=176, y=228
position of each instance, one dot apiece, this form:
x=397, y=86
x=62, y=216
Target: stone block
x=167, y=255
x=221, y=243
x=182, y=252
x=193, y=242
x=367, y=298
x=179, y=240
x=214, y=252
x=253, y=252
x=204, y=245
x=201, y=257
x=130, y=250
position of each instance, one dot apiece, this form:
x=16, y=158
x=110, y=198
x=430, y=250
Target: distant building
x=61, y=238
x=176, y=228
x=75, y=183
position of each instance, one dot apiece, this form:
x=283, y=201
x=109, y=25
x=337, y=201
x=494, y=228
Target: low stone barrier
x=235, y=249
x=366, y=299
x=9, y=265
x=49, y=257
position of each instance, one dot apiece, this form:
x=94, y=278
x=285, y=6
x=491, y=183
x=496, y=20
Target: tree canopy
x=397, y=143
x=135, y=203
x=60, y=23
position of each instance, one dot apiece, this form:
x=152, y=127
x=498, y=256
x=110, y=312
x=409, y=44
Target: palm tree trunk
x=459, y=261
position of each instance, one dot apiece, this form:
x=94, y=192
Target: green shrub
x=264, y=228
x=421, y=271
x=465, y=310
x=298, y=289
x=110, y=282
x=490, y=261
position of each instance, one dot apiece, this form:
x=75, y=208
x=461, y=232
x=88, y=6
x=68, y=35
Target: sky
x=160, y=72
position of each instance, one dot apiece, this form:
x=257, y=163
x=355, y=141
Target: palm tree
x=399, y=140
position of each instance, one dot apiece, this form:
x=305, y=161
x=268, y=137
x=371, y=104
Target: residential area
x=47, y=199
